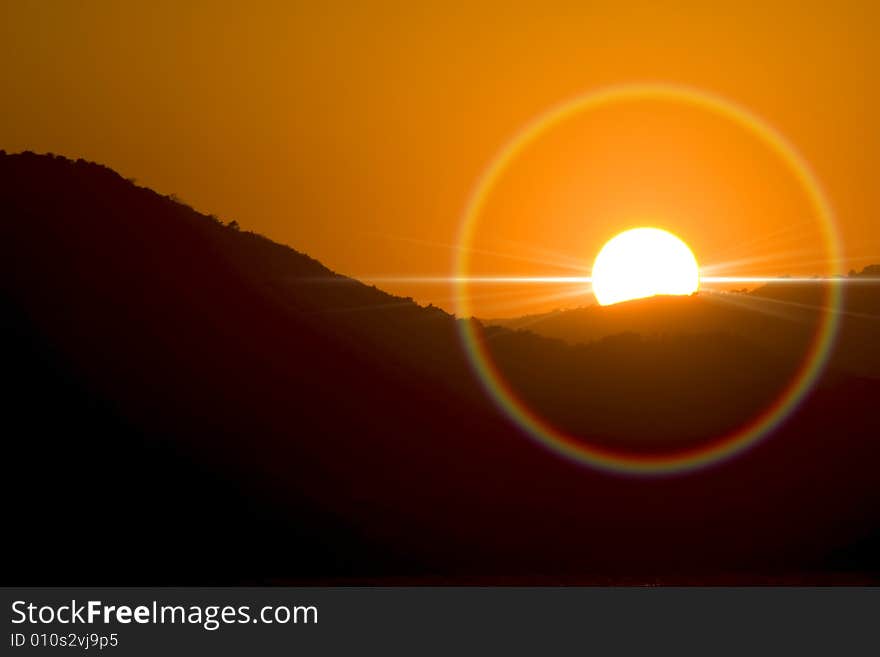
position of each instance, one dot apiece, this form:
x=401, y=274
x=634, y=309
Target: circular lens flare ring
x=643, y=262
x=683, y=460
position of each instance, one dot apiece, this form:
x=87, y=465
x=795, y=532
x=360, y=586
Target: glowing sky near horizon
x=354, y=133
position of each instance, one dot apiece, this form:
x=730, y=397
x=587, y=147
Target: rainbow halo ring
x=578, y=449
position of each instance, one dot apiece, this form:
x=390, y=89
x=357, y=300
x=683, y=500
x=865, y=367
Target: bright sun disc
x=644, y=262
x=580, y=449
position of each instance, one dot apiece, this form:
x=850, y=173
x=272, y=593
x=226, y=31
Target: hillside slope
x=780, y=317
x=193, y=403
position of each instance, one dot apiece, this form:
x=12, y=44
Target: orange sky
x=354, y=132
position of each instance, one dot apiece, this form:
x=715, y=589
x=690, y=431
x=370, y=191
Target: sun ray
x=780, y=256
x=731, y=265
x=750, y=300
x=573, y=265
x=525, y=305
x=562, y=260
x=750, y=245
x=546, y=280
x=746, y=302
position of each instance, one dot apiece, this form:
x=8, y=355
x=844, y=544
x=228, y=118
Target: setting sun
x=643, y=262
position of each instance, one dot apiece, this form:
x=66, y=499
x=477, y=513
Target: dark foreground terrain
x=191, y=403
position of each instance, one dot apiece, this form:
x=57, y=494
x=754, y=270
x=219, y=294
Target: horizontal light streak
x=721, y=280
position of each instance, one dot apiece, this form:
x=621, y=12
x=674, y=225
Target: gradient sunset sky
x=354, y=132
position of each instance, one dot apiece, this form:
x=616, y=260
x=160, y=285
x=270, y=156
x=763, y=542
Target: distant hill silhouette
x=781, y=317
x=192, y=402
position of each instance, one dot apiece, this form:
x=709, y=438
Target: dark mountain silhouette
x=193, y=403
x=781, y=317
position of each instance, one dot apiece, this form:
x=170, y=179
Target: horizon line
x=589, y=279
